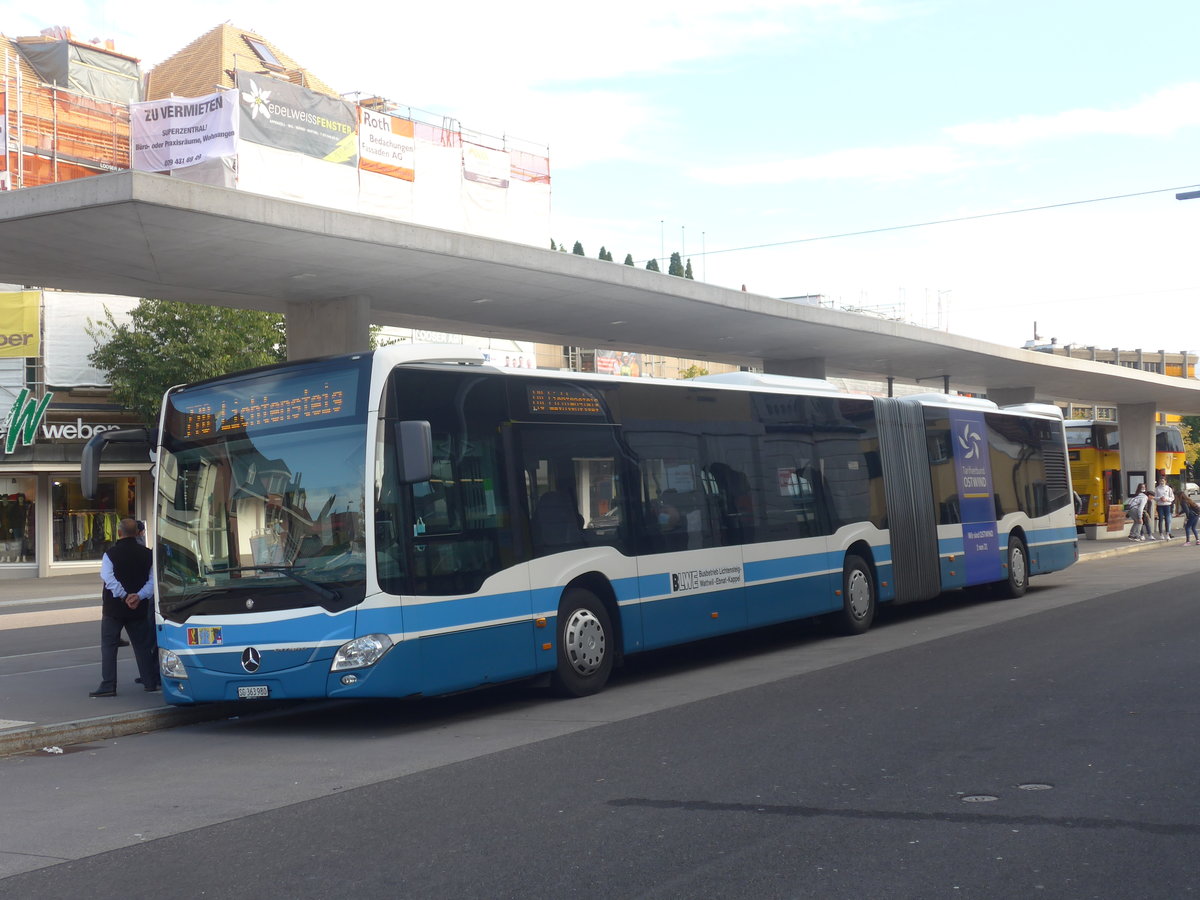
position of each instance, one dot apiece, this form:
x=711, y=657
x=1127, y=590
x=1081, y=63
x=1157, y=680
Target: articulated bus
x=413, y=522
x=1095, y=453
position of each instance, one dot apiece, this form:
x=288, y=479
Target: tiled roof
x=208, y=63
x=28, y=74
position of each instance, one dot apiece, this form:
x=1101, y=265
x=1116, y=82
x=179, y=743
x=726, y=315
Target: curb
x=84, y=731
x=1121, y=546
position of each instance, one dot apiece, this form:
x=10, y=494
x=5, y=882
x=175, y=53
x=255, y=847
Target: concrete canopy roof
x=144, y=235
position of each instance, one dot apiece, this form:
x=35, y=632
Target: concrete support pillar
x=797, y=368
x=1011, y=396
x=1135, y=422
x=328, y=327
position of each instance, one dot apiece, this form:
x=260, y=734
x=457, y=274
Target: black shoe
x=151, y=688
x=103, y=692
x=137, y=681
x=121, y=642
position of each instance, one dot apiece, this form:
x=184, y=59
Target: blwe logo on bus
x=695, y=579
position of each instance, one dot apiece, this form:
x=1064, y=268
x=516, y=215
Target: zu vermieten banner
x=183, y=131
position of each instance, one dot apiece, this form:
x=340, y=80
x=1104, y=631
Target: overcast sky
x=765, y=131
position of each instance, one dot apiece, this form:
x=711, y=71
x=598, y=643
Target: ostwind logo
x=24, y=419
x=969, y=440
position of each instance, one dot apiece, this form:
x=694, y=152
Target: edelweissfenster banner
x=290, y=117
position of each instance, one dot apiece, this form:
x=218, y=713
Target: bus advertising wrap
x=976, y=498
x=289, y=117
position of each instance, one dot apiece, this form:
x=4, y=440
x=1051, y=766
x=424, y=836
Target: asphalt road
x=963, y=748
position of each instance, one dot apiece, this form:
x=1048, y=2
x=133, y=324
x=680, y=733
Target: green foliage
x=605, y=255
x=692, y=371
x=675, y=267
x=553, y=246
x=167, y=343
x=1190, y=426
x=578, y=249
x=687, y=272
x=629, y=259
x=652, y=266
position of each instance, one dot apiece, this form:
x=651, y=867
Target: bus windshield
x=260, y=492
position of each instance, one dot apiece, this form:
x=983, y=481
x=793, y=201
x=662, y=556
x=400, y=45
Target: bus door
x=691, y=582
x=469, y=612
x=573, y=480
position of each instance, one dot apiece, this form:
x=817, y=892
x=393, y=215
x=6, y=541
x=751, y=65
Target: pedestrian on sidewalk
x=1164, y=502
x=1191, y=509
x=1135, y=508
x=125, y=571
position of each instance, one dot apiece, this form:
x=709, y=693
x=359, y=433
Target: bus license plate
x=249, y=692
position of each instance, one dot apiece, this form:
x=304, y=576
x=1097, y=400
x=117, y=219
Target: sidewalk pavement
x=49, y=708
x=46, y=709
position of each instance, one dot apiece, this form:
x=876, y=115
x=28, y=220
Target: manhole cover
x=1036, y=786
x=979, y=798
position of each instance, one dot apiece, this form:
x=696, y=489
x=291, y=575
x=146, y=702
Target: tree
x=652, y=266
x=676, y=265
x=687, y=273
x=605, y=255
x=553, y=246
x=629, y=259
x=692, y=371
x=166, y=343
x=578, y=249
x=1190, y=427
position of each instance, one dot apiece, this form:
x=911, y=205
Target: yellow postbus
x=1094, y=451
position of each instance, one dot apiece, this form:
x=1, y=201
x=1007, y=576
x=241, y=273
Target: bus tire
x=1017, y=582
x=858, y=597
x=585, y=645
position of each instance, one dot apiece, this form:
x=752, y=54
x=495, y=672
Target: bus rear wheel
x=1018, y=569
x=585, y=645
x=858, y=597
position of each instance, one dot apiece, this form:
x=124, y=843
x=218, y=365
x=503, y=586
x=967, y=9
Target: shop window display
x=17, y=520
x=84, y=529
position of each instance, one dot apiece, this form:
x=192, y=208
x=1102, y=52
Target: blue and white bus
x=413, y=522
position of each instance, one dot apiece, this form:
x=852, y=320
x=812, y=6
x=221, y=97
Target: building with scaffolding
x=67, y=112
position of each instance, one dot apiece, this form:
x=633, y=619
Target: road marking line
x=50, y=617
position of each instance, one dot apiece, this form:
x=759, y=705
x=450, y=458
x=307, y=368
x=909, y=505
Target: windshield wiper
x=290, y=571
x=192, y=601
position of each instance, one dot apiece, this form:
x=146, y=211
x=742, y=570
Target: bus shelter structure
x=335, y=273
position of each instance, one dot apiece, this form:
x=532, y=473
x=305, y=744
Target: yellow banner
x=19, y=323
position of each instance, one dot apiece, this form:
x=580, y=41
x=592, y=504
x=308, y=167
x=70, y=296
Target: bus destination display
x=560, y=400
x=293, y=399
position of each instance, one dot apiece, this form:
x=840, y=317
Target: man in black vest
x=125, y=571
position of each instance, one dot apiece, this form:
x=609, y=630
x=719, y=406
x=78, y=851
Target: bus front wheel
x=858, y=597
x=585, y=645
x=1018, y=569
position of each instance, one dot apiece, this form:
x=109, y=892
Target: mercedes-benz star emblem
x=251, y=660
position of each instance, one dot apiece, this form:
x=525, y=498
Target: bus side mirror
x=414, y=451
x=89, y=464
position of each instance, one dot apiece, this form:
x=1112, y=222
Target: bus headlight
x=171, y=665
x=361, y=652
